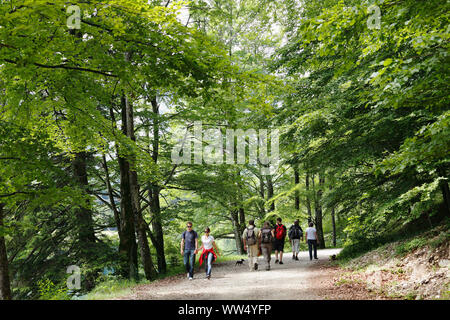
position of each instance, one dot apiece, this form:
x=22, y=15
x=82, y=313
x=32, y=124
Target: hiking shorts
x=278, y=245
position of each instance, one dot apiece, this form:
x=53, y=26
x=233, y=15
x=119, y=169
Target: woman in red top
x=208, y=255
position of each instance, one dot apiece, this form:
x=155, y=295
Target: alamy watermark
x=74, y=280
x=212, y=145
x=374, y=20
x=74, y=20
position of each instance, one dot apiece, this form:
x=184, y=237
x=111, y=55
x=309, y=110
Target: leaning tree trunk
x=5, y=285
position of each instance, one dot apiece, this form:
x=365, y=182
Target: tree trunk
x=297, y=195
x=5, y=285
x=111, y=196
x=319, y=214
x=86, y=232
x=333, y=222
x=127, y=245
x=242, y=219
x=236, y=229
x=158, y=239
x=262, y=195
x=85, y=224
x=308, y=201
x=154, y=192
x=270, y=192
x=140, y=225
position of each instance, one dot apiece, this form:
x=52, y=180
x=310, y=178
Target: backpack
x=280, y=232
x=266, y=235
x=295, y=232
x=251, y=238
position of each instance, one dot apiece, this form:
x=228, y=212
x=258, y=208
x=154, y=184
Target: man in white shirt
x=311, y=238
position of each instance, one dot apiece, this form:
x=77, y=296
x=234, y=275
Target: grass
x=411, y=245
x=112, y=288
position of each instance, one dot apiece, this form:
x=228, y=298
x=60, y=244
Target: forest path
x=291, y=281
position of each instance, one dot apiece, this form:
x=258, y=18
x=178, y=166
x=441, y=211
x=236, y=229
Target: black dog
x=239, y=262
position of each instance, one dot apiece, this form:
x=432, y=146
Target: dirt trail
x=291, y=281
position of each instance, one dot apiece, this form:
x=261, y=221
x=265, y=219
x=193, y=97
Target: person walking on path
x=208, y=254
x=189, y=247
x=251, y=244
x=280, y=235
x=266, y=236
x=311, y=238
x=295, y=233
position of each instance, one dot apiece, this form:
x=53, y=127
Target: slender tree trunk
x=241, y=220
x=333, y=222
x=297, y=181
x=154, y=192
x=5, y=285
x=319, y=214
x=236, y=228
x=111, y=196
x=270, y=192
x=158, y=239
x=262, y=195
x=127, y=245
x=308, y=201
x=141, y=228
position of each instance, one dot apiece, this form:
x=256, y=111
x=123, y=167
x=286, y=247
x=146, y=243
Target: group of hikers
x=257, y=241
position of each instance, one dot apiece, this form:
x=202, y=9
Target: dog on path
x=239, y=262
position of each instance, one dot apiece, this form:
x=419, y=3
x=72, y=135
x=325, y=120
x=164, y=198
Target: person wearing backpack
x=251, y=244
x=280, y=235
x=295, y=234
x=266, y=234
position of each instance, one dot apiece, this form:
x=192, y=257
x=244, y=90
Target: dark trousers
x=312, y=244
x=189, y=261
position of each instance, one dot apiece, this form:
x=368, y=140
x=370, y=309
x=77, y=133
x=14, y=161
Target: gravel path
x=291, y=281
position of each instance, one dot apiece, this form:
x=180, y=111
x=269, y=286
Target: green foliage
x=50, y=291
